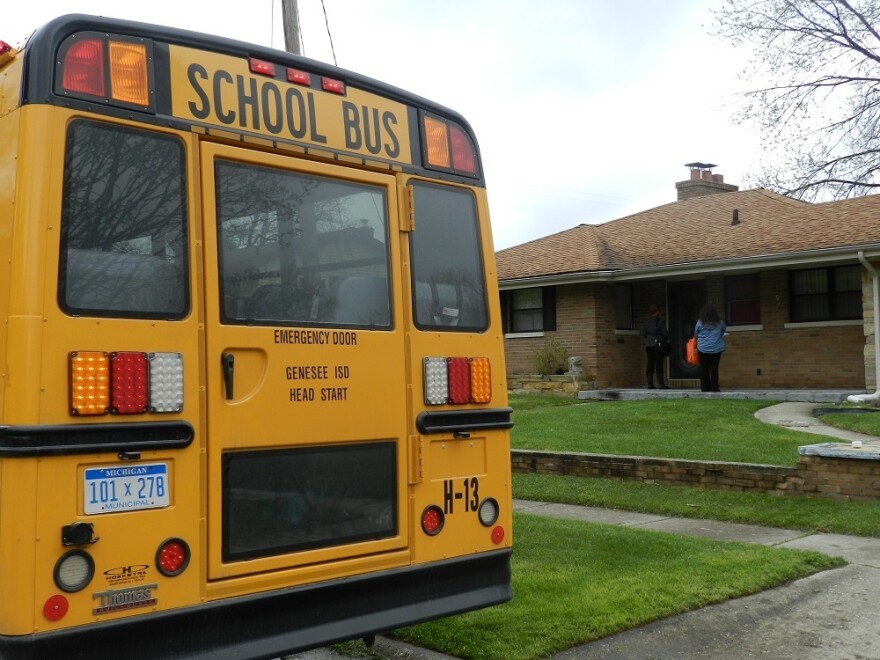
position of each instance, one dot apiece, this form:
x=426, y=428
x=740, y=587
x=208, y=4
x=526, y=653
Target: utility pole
x=290, y=20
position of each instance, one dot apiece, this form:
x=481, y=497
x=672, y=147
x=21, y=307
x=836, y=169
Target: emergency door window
x=123, y=224
x=447, y=264
x=300, y=249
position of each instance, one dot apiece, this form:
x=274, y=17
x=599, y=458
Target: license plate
x=126, y=488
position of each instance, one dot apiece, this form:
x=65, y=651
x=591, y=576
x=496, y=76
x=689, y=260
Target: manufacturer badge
x=116, y=600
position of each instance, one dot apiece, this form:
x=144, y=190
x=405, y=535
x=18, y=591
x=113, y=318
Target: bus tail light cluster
x=125, y=382
x=457, y=380
x=448, y=147
x=433, y=519
x=111, y=69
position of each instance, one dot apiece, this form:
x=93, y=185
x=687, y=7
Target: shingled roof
x=700, y=229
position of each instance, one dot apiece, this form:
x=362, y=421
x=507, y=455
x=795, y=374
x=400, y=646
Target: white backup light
x=166, y=382
x=436, y=381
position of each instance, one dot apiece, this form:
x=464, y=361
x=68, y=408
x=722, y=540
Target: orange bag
x=691, y=354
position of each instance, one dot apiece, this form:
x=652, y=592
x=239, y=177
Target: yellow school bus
x=253, y=394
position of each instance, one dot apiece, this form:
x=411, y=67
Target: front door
x=305, y=373
x=685, y=300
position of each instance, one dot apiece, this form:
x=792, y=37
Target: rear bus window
x=123, y=224
x=300, y=249
x=449, y=288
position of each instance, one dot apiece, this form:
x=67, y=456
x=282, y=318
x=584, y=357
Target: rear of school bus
x=253, y=393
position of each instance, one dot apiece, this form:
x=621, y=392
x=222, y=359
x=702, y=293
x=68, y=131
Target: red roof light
x=84, y=68
x=335, y=86
x=261, y=66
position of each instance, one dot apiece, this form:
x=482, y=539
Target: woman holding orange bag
x=709, y=332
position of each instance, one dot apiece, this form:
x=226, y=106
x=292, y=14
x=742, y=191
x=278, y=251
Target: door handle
x=227, y=360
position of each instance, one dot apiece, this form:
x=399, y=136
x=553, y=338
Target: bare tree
x=819, y=110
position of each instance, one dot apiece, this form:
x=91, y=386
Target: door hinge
x=409, y=215
x=416, y=471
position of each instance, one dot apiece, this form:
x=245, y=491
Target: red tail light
x=432, y=520
x=129, y=388
x=172, y=557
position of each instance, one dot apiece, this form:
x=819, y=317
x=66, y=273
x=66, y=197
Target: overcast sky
x=585, y=110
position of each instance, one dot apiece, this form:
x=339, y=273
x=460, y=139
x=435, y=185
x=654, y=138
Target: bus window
x=123, y=223
x=313, y=497
x=301, y=249
x=447, y=269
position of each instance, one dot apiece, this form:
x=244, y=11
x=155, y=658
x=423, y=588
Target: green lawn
x=574, y=582
x=867, y=423
x=699, y=429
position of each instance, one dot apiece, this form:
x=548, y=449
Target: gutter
x=875, y=285
x=827, y=256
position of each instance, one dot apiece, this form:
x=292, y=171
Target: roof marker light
x=261, y=66
x=334, y=86
x=299, y=77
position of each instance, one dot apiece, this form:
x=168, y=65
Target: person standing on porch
x=655, y=335
x=709, y=331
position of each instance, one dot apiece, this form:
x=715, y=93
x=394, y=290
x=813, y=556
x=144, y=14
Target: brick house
x=792, y=279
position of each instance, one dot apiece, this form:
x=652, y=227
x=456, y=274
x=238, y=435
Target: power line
x=329, y=36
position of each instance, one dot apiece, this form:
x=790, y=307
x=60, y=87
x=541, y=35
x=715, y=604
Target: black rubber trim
x=288, y=621
x=24, y=441
x=464, y=421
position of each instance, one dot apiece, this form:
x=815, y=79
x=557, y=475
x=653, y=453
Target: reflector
x=55, y=607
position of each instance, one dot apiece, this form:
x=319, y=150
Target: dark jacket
x=654, y=329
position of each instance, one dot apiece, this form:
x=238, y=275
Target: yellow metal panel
x=221, y=91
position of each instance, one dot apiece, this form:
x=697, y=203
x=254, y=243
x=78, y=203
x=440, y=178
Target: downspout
x=875, y=282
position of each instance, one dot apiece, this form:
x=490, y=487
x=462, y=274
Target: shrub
x=551, y=358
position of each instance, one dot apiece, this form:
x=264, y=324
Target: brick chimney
x=702, y=182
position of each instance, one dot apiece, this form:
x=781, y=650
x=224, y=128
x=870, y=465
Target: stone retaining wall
x=813, y=476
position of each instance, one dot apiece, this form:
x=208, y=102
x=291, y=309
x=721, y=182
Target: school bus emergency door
x=305, y=366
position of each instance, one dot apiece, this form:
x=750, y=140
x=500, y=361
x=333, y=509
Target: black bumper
x=272, y=624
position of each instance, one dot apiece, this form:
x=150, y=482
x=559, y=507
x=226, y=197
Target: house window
x=529, y=310
x=743, y=299
x=623, y=309
x=826, y=294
